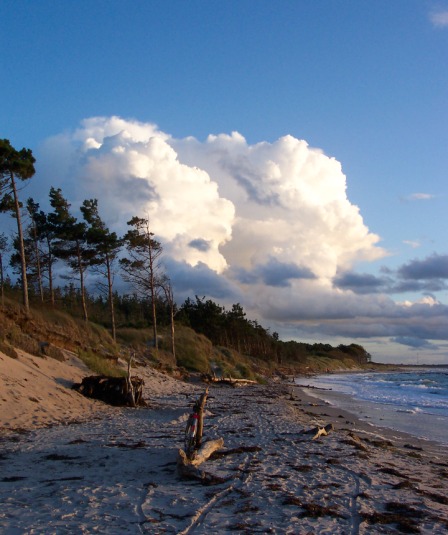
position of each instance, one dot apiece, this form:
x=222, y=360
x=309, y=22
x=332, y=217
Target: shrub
x=101, y=365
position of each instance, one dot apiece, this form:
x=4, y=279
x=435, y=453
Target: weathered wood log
x=200, y=408
x=229, y=381
x=130, y=385
x=112, y=390
x=320, y=431
x=205, y=451
x=188, y=468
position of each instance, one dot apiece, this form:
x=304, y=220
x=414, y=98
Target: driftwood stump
x=113, y=390
x=320, y=431
x=188, y=461
x=188, y=468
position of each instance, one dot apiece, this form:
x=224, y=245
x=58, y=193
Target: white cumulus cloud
x=222, y=202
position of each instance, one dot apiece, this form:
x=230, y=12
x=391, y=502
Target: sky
x=291, y=156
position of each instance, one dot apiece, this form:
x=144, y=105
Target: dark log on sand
x=118, y=391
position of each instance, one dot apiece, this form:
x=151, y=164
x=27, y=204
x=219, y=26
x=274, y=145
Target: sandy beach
x=73, y=465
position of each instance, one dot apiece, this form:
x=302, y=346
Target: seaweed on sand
x=403, y=516
x=313, y=510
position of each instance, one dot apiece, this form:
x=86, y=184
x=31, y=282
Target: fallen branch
x=320, y=431
x=227, y=380
x=188, y=468
x=203, y=453
x=200, y=408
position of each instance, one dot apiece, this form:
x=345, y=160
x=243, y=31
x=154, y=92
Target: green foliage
x=193, y=351
x=229, y=363
x=227, y=328
x=133, y=337
x=15, y=165
x=100, y=365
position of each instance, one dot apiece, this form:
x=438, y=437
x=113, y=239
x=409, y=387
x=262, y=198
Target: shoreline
x=116, y=471
x=347, y=420
x=427, y=427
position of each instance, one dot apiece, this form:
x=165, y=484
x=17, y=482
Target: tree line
x=232, y=329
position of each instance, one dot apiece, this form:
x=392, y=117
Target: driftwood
x=320, y=431
x=202, y=454
x=200, y=409
x=188, y=461
x=227, y=380
x=188, y=467
x=118, y=391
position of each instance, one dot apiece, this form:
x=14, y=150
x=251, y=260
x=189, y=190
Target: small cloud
x=274, y=273
x=433, y=267
x=420, y=197
x=411, y=243
x=428, y=300
x=439, y=19
x=200, y=244
x=360, y=283
x=414, y=343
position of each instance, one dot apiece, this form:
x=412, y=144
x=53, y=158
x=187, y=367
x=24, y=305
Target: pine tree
x=3, y=249
x=15, y=165
x=71, y=246
x=106, y=246
x=141, y=268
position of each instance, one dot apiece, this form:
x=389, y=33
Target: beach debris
x=320, y=431
x=233, y=451
x=229, y=381
x=188, y=468
x=197, y=452
x=195, y=426
x=355, y=440
x=117, y=391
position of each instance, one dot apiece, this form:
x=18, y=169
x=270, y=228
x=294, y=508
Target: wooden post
x=129, y=382
x=201, y=405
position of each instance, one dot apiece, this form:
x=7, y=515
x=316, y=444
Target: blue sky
x=365, y=82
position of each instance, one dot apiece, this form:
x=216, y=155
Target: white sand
x=115, y=471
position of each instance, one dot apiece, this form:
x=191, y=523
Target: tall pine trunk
x=26, y=303
x=111, y=298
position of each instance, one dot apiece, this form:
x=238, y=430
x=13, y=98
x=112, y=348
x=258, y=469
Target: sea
x=413, y=401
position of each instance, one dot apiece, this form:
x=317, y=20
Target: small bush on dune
x=100, y=364
x=135, y=337
x=193, y=350
x=229, y=363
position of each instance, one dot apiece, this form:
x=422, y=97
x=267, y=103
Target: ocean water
x=415, y=402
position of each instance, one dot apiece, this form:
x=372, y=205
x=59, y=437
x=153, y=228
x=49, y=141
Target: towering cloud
x=232, y=206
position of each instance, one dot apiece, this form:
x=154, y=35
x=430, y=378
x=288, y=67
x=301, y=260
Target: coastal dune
x=74, y=465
